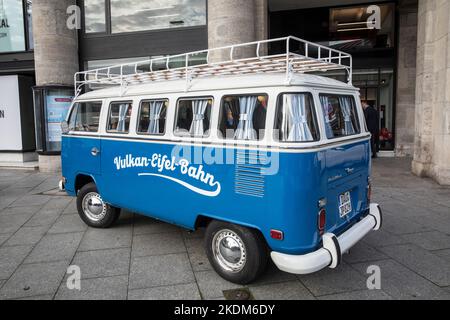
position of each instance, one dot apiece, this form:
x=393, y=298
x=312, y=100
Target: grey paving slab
x=363, y=252
x=157, y=244
x=359, y=295
x=161, y=270
x=433, y=240
x=115, y=237
x=331, y=281
x=427, y=264
x=103, y=263
x=445, y=254
x=439, y=222
x=273, y=275
x=2, y=282
x=401, y=283
x=212, y=285
x=34, y=280
x=68, y=223
x=58, y=203
x=71, y=208
x=178, y=292
x=43, y=218
x=12, y=223
x=47, y=297
x=110, y=288
x=145, y=225
x=27, y=235
x=196, y=251
x=30, y=200
x=382, y=238
x=399, y=226
x=11, y=258
x=55, y=247
x=20, y=210
x=4, y=237
x=292, y=290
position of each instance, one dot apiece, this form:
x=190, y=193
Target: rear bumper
x=331, y=252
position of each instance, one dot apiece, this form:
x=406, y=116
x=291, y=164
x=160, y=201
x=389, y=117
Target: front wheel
x=238, y=254
x=93, y=210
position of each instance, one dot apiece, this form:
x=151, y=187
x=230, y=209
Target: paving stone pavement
x=41, y=235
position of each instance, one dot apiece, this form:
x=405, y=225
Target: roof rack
x=289, y=55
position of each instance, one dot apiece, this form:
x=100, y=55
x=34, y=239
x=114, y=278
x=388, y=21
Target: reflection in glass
x=94, y=16
x=138, y=15
x=29, y=5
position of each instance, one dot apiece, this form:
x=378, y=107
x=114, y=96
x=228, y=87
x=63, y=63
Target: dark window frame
x=139, y=117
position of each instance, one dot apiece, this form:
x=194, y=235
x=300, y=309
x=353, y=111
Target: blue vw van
x=272, y=160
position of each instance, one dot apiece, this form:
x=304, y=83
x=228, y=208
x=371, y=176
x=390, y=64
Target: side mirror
x=64, y=127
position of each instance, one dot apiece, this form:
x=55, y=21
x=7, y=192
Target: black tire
x=256, y=253
x=109, y=213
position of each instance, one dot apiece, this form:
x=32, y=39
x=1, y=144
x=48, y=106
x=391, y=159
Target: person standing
x=373, y=126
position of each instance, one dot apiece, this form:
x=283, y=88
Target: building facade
x=402, y=67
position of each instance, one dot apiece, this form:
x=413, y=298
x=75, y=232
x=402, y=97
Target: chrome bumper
x=62, y=185
x=331, y=252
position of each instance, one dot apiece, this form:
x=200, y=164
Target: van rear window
x=119, y=117
x=243, y=117
x=193, y=117
x=340, y=115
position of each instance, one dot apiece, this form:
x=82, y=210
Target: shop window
x=243, y=117
x=94, y=16
x=138, y=15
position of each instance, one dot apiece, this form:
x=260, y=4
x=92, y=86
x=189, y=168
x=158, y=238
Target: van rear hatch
x=347, y=170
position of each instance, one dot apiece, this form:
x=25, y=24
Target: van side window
x=340, y=115
x=119, y=117
x=295, y=119
x=152, y=117
x=243, y=117
x=85, y=117
x=193, y=117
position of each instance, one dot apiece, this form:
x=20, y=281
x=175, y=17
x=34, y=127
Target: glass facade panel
x=94, y=16
x=138, y=15
x=12, y=33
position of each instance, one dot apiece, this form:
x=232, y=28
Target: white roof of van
x=218, y=83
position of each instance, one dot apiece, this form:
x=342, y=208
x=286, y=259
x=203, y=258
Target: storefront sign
x=12, y=35
x=10, y=125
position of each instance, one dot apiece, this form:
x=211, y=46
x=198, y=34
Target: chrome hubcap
x=94, y=207
x=229, y=251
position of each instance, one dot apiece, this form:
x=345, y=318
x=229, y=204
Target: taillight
x=276, y=234
x=321, y=221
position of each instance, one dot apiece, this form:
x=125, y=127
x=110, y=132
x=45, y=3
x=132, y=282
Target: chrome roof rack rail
x=294, y=55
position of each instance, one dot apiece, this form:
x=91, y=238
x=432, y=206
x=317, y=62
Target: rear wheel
x=238, y=254
x=93, y=210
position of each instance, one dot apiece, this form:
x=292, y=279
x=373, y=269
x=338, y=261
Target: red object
x=276, y=234
x=321, y=221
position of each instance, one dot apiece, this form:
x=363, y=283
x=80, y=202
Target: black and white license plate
x=345, y=204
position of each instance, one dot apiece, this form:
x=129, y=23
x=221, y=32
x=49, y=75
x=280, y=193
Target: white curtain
x=325, y=105
x=155, y=114
x=295, y=110
x=347, y=112
x=123, y=110
x=198, y=115
x=245, y=130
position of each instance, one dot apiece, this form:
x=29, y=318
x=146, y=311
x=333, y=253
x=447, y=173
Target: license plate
x=345, y=204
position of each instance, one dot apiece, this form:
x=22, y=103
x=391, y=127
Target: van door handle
x=340, y=149
x=95, y=151
x=349, y=170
